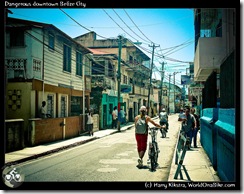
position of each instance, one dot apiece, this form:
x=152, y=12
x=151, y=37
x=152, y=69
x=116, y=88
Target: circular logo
x=12, y=176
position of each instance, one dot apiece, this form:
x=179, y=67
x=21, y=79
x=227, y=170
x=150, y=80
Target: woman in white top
x=90, y=123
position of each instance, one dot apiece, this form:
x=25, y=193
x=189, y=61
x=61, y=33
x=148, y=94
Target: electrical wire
x=138, y=28
x=99, y=35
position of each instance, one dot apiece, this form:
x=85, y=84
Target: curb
x=35, y=156
x=50, y=152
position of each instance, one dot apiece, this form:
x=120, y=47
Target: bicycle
x=164, y=129
x=153, y=150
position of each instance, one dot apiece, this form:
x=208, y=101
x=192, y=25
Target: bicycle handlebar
x=153, y=128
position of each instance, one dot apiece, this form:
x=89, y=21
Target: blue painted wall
x=226, y=156
x=109, y=101
x=208, y=134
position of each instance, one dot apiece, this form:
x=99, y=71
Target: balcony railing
x=140, y=90
x=16, y=68
x=102, y=81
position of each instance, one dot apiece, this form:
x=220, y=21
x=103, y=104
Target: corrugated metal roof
x=98, y=52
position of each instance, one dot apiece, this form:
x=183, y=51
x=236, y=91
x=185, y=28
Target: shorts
x=141, y=140
x=161, y=122
x=89, y=127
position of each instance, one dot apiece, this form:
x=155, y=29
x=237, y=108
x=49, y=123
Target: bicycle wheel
x=153, y=157
x=156, y=154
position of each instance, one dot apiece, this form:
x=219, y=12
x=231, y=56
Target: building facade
x=134, y=71
x=215, y=68
x=44, y=64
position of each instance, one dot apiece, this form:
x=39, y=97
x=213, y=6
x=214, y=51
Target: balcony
x=209, y=55
x=141, y=91
x=102, y=81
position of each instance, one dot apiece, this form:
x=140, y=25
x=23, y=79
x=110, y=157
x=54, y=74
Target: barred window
x=67, y=58
x=63, y=106
x=51, y=41
x=50, y=105
x=78, y=63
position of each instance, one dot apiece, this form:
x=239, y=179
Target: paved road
x=111, y=158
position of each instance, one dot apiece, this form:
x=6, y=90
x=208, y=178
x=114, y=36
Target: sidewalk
x=196, y=161
x=29, y=153
x=197, y=164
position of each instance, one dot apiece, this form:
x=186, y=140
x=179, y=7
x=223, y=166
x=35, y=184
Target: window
x=110, y=70
x=78, y=63
x=63, y=106
x=50, y=105
x=51, y=41
x=76, y=104
x=67, y=58
x=124, y=79
x=205, y=33
x=98, y=68
x=17, y=38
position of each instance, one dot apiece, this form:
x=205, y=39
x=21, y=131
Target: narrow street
x=112, y=158
x=72, y=76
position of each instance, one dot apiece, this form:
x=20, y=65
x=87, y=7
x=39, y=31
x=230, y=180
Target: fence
x=14, y=134
x=182, y=145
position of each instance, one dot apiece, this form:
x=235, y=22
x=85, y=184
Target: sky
x=170, y=30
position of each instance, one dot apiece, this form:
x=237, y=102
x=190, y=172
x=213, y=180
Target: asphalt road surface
x=111, y=158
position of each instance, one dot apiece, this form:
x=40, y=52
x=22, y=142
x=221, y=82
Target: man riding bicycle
x=163, y=116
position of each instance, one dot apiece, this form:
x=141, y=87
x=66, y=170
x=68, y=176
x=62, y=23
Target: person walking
x=114, y=118
x=90, y=123
x=122, y=116
x=141, y=133
x=181, y=114
x=188, y=125
x=163, y=116
x=196, y=129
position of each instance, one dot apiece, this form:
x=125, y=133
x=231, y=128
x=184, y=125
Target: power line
x=118, y=24
x=171, y=51
x=128, y=26
x=124, y=31
x=127, y=38
x=138, y=27
x=80, y=24
x=105, y=37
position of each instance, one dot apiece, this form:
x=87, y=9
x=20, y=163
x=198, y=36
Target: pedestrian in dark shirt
x=196, y=127
x=114, y=118
x=188, y=125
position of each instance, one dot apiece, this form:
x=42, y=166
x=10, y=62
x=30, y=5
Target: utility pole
x=150, y=83
x=119, y=80
x=169, y=94
x=83, y=95
x=161, y=88
x=174, y=89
